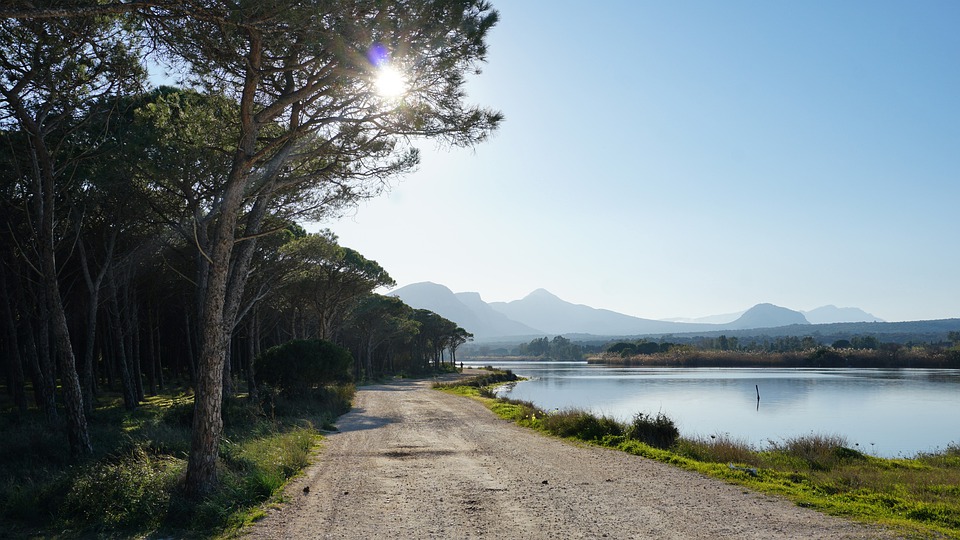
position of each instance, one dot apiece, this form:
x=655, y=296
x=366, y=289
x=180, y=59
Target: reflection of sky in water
x=885, y=412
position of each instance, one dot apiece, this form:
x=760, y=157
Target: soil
x=411, y=462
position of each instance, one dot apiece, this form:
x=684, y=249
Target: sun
x=390, y=82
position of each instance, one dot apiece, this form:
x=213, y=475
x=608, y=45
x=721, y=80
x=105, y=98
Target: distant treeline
x=791, y=351
x=858, y=350
x=558, y=348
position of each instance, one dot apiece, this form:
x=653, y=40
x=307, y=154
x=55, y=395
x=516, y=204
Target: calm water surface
x=885, y=412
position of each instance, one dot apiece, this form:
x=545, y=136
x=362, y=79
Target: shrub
x=720, y=448
x=657, y=431
x=297, y=366
x=581, y=425
x=820, y=452
x=479, y=381
x=132, y=492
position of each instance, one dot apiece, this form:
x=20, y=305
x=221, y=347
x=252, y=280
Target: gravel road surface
x=412, y=462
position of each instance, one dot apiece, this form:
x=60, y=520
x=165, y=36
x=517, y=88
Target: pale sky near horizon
x=691, y=158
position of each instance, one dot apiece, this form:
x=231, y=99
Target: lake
x=884, y=412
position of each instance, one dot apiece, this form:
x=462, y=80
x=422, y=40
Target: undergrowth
x=918, y=496
x=132, y=486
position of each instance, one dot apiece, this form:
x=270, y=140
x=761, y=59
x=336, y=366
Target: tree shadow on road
x=357, y=420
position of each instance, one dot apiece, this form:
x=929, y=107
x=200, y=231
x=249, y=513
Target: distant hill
x=466, y=309
x=542, y=313
x=492, y=322
x=833, y=314
x=767, y=316
x=543, y=310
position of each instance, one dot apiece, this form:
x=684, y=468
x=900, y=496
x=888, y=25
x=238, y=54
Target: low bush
x=133, y=490
x=581, y=425
x=298, y=366
x=718, y=449
x=657, y=431
x=820, y=452
x=483, y=381
x=522, y=412
x=132, y=486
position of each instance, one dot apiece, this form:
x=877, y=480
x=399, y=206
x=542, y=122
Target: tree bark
x=252, y=338
x=44, y=199
x=152, y=355
x=121, y=345
x=192, y=364
x=47, y=370
x=94, y=285
x=15, y=380
x=133, y=336
x=208, y=401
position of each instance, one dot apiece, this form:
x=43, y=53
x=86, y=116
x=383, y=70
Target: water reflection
x=887, y=412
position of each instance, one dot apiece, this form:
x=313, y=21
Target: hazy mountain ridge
x=709, y=319
x=767, y=316
x=543, y=313
x=833, y=314
x=822, y=315
x=544, y=310
x=466, y=309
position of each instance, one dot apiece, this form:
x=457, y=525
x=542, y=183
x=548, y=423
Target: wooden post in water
x=758, y=396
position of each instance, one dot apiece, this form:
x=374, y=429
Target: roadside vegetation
x=918, y=496
x=133, y=484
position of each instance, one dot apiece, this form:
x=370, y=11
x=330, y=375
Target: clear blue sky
x=683, y=159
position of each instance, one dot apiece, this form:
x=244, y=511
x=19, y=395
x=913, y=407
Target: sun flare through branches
x=390, y=82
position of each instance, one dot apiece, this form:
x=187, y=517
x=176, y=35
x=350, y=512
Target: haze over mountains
x=542, y=313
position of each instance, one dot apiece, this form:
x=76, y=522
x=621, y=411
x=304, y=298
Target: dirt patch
x=411, y=462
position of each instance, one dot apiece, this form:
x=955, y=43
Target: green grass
x=132, y=486
x=920, y=497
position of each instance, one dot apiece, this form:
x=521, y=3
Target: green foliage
x=321, y=404
x=490, y=378
x=717, y=449
x=133, y=486
x=265, y=463
x=658, y=431
x=818, y=451
x=298, y=366
x=581, y=425
x=522, y=412
x=630, y=348
x=134, y=491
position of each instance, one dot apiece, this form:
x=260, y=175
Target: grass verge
x=918, y=497
x=132, y=486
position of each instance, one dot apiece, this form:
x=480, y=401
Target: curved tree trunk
x=208, y=401
x=77, y=431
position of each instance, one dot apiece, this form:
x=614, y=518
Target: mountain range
x=543, y=313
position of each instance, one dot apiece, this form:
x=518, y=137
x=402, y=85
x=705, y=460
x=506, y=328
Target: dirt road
x=412, y=462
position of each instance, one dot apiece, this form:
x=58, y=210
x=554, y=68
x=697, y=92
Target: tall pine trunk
x=94, y=284
x=121, y=345
x=15, y=378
